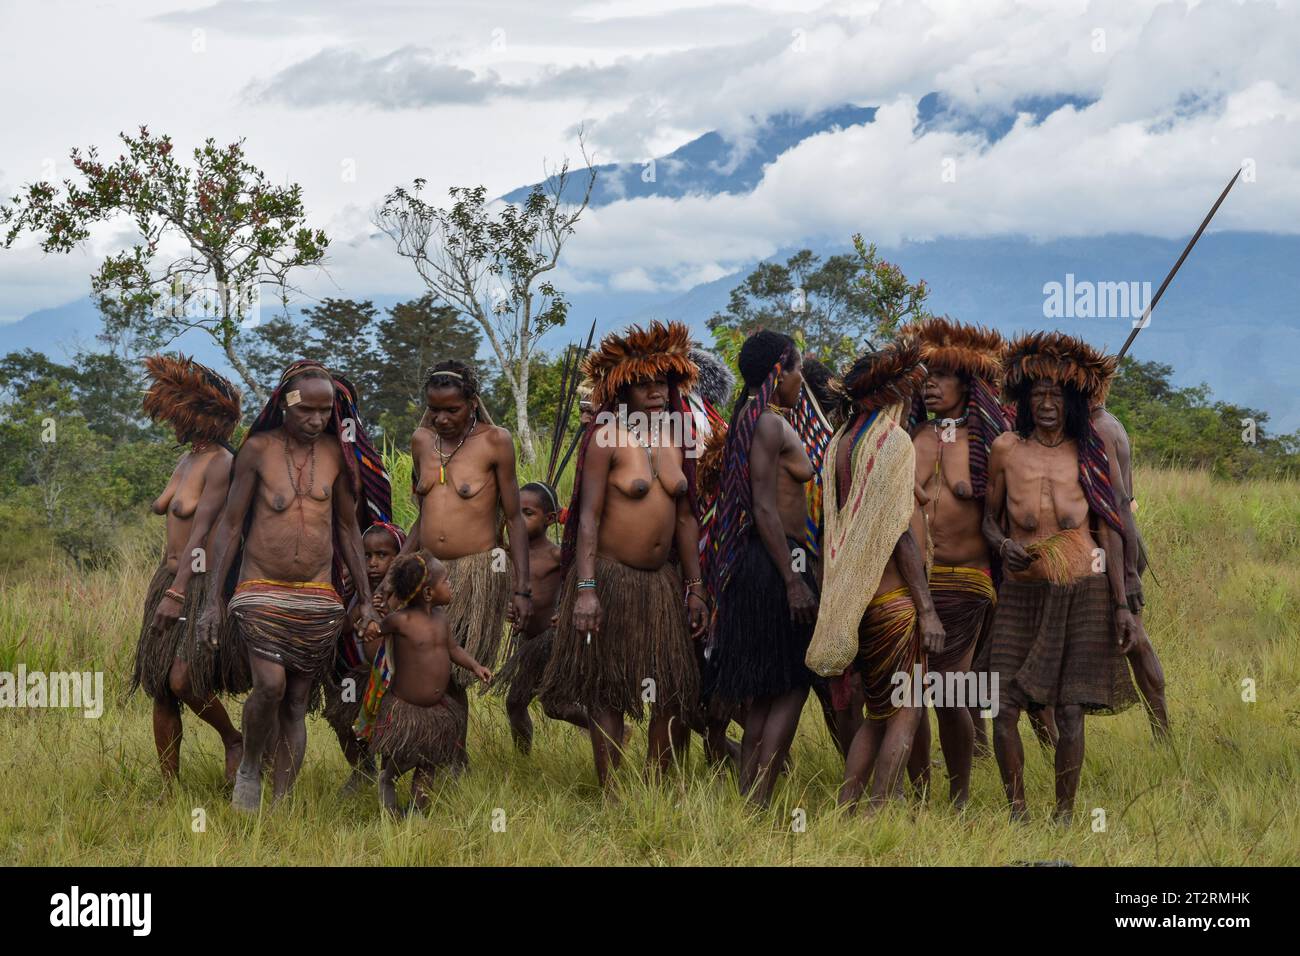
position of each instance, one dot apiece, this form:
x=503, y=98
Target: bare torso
x=544, y=572
x=954, y=514
x=793, y=471
x=640, y=513
x=1044, y=497
x=290, y=536
x=421, y=657
x=458, y=513
x=180, y=499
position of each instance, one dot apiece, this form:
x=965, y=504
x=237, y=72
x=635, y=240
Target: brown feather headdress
x=1062, y=358
x=640, y=355
x=199, y=404
x=885, y=377
x=946, y=345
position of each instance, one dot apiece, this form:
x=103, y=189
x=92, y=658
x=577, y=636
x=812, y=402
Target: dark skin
x=423, y=653
x=458, y=501
x=779, y=467
x=633, y=512
x=955, y=523
x=1034, y=489
x=380, y=550
x=544, y=565
x=880, y=749
x=1147, y=672
x=191, y=501
x=290, y=538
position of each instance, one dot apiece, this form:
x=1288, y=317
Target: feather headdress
x=198, y=403
x=640, y=355
x=1062, y=358
x=885, y=377
x=974, y=350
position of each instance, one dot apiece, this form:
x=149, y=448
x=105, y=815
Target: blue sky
x=350, y=99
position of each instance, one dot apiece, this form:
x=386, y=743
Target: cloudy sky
x=350, y=99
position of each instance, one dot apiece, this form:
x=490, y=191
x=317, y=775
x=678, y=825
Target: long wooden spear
x=1141, y=323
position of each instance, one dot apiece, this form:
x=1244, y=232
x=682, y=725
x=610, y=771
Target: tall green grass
x=1227, y=792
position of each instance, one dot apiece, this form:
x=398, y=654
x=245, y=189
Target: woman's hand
x=1014, y=554
x=697, y=613
x=211, y=622
x=166, y=614
x=1125, y=629
x=521, y=609
x=932, y=633
x=587, y=612
x=802, y=601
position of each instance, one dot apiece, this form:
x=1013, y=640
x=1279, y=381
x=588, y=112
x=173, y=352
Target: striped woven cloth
x=293, y=623
x=815, y=431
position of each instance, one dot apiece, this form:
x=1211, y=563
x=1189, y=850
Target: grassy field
x=1227, y=792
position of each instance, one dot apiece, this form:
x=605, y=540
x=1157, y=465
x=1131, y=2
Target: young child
x=521, y=674
x=382, y=543
x=408, y=716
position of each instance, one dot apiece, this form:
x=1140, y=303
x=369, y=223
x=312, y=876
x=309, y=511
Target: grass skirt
x=338, y=711
x=644, y=637
x=155, y=652
x=757, y=650
x=521, y=675
x=1054, y=644
x=480, y=600
x=419, y=737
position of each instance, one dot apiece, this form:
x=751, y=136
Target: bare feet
x=234, y=756
x=247, y=796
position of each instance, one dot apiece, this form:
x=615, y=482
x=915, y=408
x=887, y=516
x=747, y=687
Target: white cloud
x=1180, y=95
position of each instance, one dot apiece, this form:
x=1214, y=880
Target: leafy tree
x=242, y=232
x=490, y=263
x=413, y=336
x=833, y=307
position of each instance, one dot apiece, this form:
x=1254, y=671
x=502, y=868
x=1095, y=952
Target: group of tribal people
x=798, y=531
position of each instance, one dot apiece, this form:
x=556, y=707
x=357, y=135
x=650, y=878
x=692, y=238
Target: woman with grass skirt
x=463, y=470
x=170, y=665
x=759, y=567
x=627, y=617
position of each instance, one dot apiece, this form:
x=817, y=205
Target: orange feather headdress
x=886, y=376
x=199, y=404
x=946, y=345
x=640, y=355
x=1062, y=358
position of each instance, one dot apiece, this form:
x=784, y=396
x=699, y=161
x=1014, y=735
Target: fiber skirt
x=522, y=673
x=343, y=695
x=642, y=654
x=155, y=651
x=480, y=600
x=1054, y=644
x=757, y=650
x=419, y=737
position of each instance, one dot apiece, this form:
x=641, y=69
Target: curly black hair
x=451, y=373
